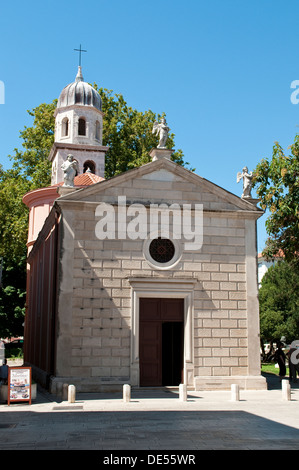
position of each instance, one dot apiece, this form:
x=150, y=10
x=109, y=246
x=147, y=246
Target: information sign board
x=19, y=384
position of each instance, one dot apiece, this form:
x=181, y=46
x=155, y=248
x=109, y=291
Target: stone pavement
x=154, y=420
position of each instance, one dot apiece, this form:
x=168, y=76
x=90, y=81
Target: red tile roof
x=280, y=254
x=85, y=179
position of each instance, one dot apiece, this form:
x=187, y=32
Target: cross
x=80, y=50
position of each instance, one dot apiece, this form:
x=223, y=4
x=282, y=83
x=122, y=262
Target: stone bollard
x=183, y=392
x=126, y=393
x=71, y=393
x=235, y=394
x=286, y=390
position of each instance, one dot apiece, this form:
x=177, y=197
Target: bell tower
x=78, y=129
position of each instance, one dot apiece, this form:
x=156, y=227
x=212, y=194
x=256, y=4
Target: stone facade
x=101, y=281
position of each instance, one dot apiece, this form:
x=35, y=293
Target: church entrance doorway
x=161, y=341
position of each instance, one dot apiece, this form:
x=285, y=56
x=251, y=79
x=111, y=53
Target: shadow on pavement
x=274, y=382
x=144, y=430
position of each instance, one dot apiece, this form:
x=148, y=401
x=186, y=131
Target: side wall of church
x=39, y=328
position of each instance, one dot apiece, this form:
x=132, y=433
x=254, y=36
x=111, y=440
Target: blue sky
x=221, y=70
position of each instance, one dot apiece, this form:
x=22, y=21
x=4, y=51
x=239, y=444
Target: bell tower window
x=65, y=127
x=89, y=166
x=82, y=126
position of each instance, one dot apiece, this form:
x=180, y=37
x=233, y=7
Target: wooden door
x=161, y=318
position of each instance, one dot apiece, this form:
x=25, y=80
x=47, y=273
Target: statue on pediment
x=247, y=182
x=161, y=129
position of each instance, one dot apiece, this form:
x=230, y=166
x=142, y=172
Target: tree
x=128, y=134
x=12, y=298
x=277, y=185
x=279, y=302
x=13, y=217
x=126, y=131
x=13, y=236
x=33, y=163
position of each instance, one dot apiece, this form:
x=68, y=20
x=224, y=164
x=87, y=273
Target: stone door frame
x=163, y=288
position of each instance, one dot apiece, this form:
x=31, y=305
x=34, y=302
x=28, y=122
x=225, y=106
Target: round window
x=161, y=253
x=162, y=250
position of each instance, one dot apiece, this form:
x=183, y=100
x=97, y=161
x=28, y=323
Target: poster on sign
x=19, y=384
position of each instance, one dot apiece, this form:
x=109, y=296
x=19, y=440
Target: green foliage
x=12, y=298
x=16, y=353
x=32, y=163
x=31, y=169
x=271, y=369
x=279, y=302
x=277, y=185
x=13, y=215
x=128, y=134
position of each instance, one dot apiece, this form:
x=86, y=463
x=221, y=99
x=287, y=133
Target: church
x=148, y=278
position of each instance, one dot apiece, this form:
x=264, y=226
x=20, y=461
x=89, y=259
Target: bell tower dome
x=78, y=129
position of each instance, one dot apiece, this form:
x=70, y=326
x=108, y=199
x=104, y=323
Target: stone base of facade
x=224, y=383
x=200, y=383
x=84, y=385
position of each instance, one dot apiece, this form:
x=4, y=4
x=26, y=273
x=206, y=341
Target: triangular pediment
x=162, y=181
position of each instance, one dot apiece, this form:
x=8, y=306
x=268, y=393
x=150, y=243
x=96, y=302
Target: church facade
x=148, y=278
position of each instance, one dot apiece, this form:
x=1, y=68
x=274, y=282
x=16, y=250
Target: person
x=280, y=358
x=4, y=372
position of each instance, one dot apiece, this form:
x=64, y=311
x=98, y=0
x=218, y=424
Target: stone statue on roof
x=161, y=129
x=70, y=169
x=247, y=182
